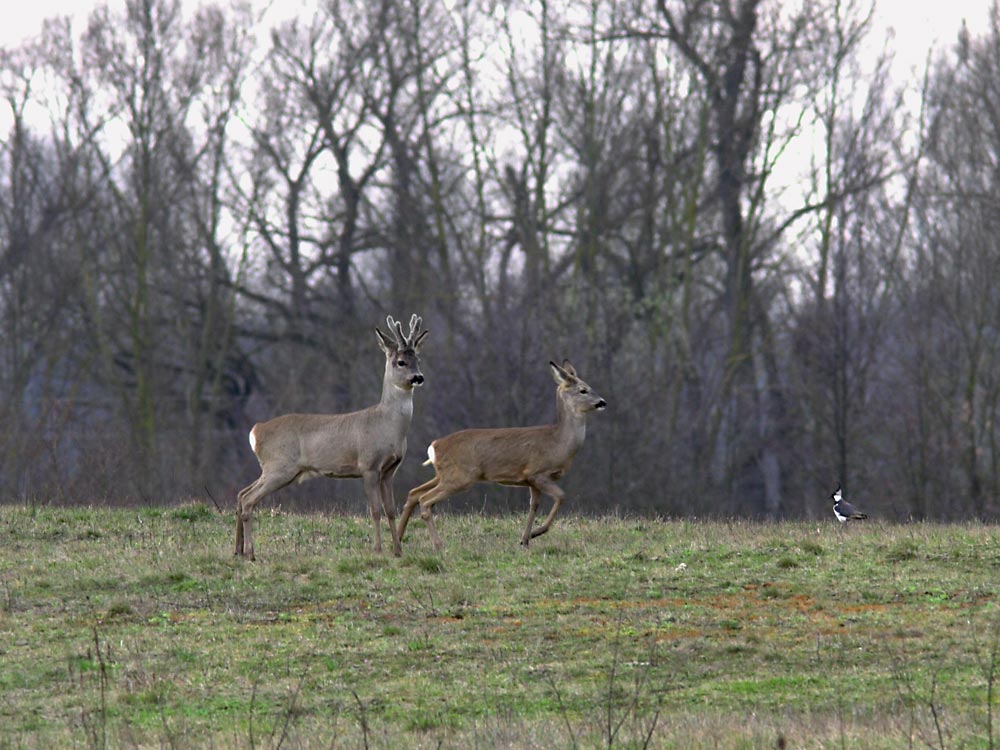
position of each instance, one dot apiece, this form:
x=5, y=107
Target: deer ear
x=560, y=375
x=568, y=367
x=385, y=343
x=419, y=340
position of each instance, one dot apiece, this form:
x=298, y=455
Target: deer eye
x=401, y=363
x=584, y=390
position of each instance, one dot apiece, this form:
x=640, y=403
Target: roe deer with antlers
x=532, y=457
x=369, y=444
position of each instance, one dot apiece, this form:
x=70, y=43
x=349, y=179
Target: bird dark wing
x=846, y=509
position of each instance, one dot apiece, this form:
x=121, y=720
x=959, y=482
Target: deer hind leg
x=412, y=501
x=247, y=500
x=239, y=511
x=552, y=489
x=536, y=496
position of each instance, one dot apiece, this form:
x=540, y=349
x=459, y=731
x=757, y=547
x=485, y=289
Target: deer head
x=402, y=367
x=575, y=396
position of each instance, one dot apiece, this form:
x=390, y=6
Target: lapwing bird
x=843, y=510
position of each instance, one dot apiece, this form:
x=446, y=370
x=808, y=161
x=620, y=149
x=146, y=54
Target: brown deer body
x=367, y=444
x=532, y=457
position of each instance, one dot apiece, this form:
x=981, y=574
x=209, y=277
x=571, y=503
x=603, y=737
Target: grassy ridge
x=137, y=628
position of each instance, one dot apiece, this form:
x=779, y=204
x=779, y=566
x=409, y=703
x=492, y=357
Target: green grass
x=138, y=628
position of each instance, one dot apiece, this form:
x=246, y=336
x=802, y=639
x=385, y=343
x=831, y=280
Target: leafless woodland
x=774, y=257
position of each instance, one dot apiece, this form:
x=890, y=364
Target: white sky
x=23, y=20
x=918, y=23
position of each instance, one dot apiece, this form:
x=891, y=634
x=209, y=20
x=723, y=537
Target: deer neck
x=570, y=427
x=396, y=401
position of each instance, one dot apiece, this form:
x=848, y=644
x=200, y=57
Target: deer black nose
x=601, y=404
x=417, y=379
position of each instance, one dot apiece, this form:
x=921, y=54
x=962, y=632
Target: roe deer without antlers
x=532, y=457
x=369, y=444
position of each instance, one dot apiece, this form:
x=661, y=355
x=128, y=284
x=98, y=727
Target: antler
x=397, y=332
x=414, y=328
x=406, y=342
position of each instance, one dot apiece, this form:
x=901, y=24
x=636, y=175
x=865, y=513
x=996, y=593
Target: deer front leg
x=535, y=498
x=552, y=489
x=373, y=493
x=389, y=506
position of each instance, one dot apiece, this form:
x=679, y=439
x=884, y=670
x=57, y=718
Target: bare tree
x=39, y=283
x=621, y=179
x=954, y=349
x=141, y=110
x=856, y=238
x=756, y=67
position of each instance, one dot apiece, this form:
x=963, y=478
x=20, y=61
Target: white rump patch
x=253, y=439
x=430, y=455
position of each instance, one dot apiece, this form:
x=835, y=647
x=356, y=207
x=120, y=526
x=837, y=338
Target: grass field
x=138, y=628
